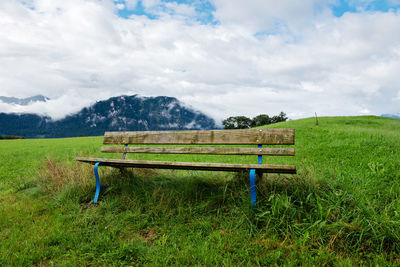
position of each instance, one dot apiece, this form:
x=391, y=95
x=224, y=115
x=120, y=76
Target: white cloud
x=265, y=15
x=68, y=103
x=120, y=6
x=77, y=52
x=131, y=4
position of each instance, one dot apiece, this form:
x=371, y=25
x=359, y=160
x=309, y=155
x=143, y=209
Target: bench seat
x=203, y=166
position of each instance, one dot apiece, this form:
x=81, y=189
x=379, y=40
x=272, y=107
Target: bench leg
x=253, y=187
x=98, y=186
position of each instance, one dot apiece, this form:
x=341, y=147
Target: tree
x=238, y=122
x=242, y=122
x=261, y=119
x=279, y=118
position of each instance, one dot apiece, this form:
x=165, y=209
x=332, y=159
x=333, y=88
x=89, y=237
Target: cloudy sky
x=223, y=57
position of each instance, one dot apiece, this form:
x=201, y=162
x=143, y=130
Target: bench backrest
x=202, y=137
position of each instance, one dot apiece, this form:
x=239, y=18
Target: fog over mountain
x=23, y=101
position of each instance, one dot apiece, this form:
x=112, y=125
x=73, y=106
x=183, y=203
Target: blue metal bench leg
x=253, y=196
x=98, y=186
x=253, y=187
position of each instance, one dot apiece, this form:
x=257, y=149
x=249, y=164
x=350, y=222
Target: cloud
x=68, y=103
x=266, y=15
x=131, y=4
x=261, y=56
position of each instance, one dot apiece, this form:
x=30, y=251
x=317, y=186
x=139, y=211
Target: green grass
x=342, y=208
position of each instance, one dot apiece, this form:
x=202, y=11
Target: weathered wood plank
x=263, y=168
x=204, y=137
x=202, y=150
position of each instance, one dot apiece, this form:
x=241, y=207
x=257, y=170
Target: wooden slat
x=202, y=150
x=263, y=168
x=204, y=137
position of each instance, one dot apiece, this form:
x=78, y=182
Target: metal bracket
x=124, y=155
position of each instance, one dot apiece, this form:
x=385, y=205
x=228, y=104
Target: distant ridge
x=391, y=116
x=122, y=113
x=23, y=101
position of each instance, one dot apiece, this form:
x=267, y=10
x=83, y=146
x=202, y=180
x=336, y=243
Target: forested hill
x=123, y=113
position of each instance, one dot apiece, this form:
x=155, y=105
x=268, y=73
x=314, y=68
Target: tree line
x=243, y=122
x=11, y=137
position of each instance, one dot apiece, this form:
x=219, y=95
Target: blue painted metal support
x=253, y=195
x=259, y=156
x=96, y=175
x=124, y=155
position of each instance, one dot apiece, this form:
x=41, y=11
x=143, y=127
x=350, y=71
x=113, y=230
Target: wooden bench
x=201, y=138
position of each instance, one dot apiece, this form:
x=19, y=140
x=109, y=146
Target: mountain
x=23, y=101
x=123, y=113
x=391, y=115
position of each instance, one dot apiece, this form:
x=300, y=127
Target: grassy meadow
x=342, y=208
